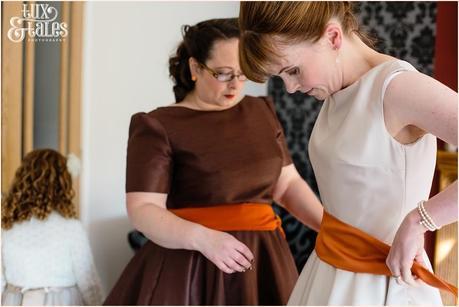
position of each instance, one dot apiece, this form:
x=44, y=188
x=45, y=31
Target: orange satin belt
x=348, y=248
x=234, y=217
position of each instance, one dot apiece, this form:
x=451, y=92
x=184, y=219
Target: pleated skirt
x=161, y=276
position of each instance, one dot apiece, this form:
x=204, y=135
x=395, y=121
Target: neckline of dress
x=365, y=75
x=205, y=111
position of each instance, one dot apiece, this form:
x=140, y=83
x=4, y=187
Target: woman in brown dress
x=201, y=176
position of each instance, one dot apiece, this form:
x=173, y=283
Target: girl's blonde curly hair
x=42, y=184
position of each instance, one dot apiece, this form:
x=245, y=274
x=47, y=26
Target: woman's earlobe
x=334, y=34
x=192, y=64
x=336, y=40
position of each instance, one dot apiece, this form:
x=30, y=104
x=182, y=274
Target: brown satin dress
x=204, y=158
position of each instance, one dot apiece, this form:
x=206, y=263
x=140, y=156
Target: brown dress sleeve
x=286, y=158
x=149, y=162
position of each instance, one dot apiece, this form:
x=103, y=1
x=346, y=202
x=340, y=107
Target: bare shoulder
x=416, y=102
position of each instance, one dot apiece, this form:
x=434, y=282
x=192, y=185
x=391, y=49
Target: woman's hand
x=225, y=251
x=408, y=246
x=149, y=215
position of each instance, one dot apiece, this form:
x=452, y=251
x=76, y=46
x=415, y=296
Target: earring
x=193, y=78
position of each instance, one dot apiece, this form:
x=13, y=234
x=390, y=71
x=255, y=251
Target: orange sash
x=246, y=216
x=348, y=248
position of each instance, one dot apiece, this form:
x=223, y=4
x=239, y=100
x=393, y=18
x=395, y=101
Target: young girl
x=46, y=257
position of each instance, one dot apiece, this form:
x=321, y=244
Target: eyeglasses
x=223, y=76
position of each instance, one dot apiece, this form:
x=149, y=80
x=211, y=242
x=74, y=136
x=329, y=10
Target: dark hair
x=197, y=42
x=42, y=184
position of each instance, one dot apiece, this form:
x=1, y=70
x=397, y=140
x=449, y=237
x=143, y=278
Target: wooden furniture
x=445, y=259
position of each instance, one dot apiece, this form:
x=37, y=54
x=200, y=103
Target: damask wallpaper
x=405, y=30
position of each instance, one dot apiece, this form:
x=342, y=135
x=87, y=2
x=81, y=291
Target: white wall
x=126, y=50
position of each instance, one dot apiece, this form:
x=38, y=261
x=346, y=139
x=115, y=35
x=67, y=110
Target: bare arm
x=148, y=213
x=295, y=195
x=416, y=100
x=443, y=206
